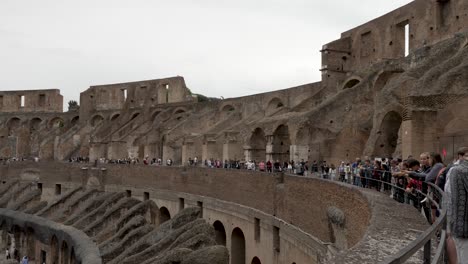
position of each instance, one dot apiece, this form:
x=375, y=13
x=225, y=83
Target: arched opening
x=383, y=79
x=180, y=111
x=75, y=120
x=281, y=144
x=114, y=117
x=258, y=145
x=96, y=120
x=164, y=215
x=54, y=250
x=56, y=122
x=388, y=135
x=220, y=233
x=351, y=83
x=64, y=253
x=237, y=246
x=227, y=110
x=35, y=124
x=256, y=260
x=135, y=115
x=155, y=114
x=274, y=106
x=13, y=123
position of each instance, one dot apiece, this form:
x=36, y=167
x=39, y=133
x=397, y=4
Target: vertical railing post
x=427, y=252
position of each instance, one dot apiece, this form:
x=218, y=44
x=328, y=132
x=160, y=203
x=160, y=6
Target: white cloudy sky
x=222, y=48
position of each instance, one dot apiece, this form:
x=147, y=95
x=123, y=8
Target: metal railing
x=432, y=198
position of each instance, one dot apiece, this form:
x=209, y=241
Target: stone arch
x=226, y=111
x=281, y=144
x=383, y=78
x=273, y=106
x=56, y=122
x=156, y=114
x=75, y=120
x=64, y=253
x=135, y=115
x=152, y=213
x=256, y=260
x=179, y=111
x=220, y=233
x=388, y=134
x=257, y=145
x=164, y=215
x=54, y=250
x=96, y=120
x=237, y=246
x=13, y=123
x=35, y=124
x=351, y=82
x=114, y=116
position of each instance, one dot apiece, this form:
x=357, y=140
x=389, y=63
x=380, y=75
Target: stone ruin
x=125, y=229
x=376, y=98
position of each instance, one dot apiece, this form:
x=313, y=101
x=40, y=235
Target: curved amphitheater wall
x=283, y=218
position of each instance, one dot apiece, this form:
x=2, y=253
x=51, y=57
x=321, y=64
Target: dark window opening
x=42, y=100
x=200, y=205
x=146, y=196
x=276, y=239
x=58, y=189
x=39, y=186
x=257, y=230
x=129, y=193
x=181, y=204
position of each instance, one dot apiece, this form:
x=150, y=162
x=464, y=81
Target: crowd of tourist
x=406, y=181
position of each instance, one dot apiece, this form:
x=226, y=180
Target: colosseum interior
x=377, y=98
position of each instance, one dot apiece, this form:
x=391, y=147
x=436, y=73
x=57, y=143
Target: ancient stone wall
x=31, y=101
x=277, y=218
x=429, y=21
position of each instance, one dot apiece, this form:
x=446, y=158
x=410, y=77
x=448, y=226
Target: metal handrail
x=423, y=240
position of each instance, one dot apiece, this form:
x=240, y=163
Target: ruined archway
x=256, y=260
x=54, y=250
x=75, y=120
x=35, y=124
x=258, y=145
x=155, y=114
x=274, y=106
x=13, y=123
x=164, y=215
x=383, y=79
x=237, y=246
x=64, y=253
x=96, y=120
x=388, y=134
x=226, y=111
x=281, y=144
x=114, y=117
x=220, y=233
x=351, y=83
x=179, y=111
x=56, y=122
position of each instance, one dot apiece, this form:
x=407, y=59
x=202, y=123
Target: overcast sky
x=222, y=48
